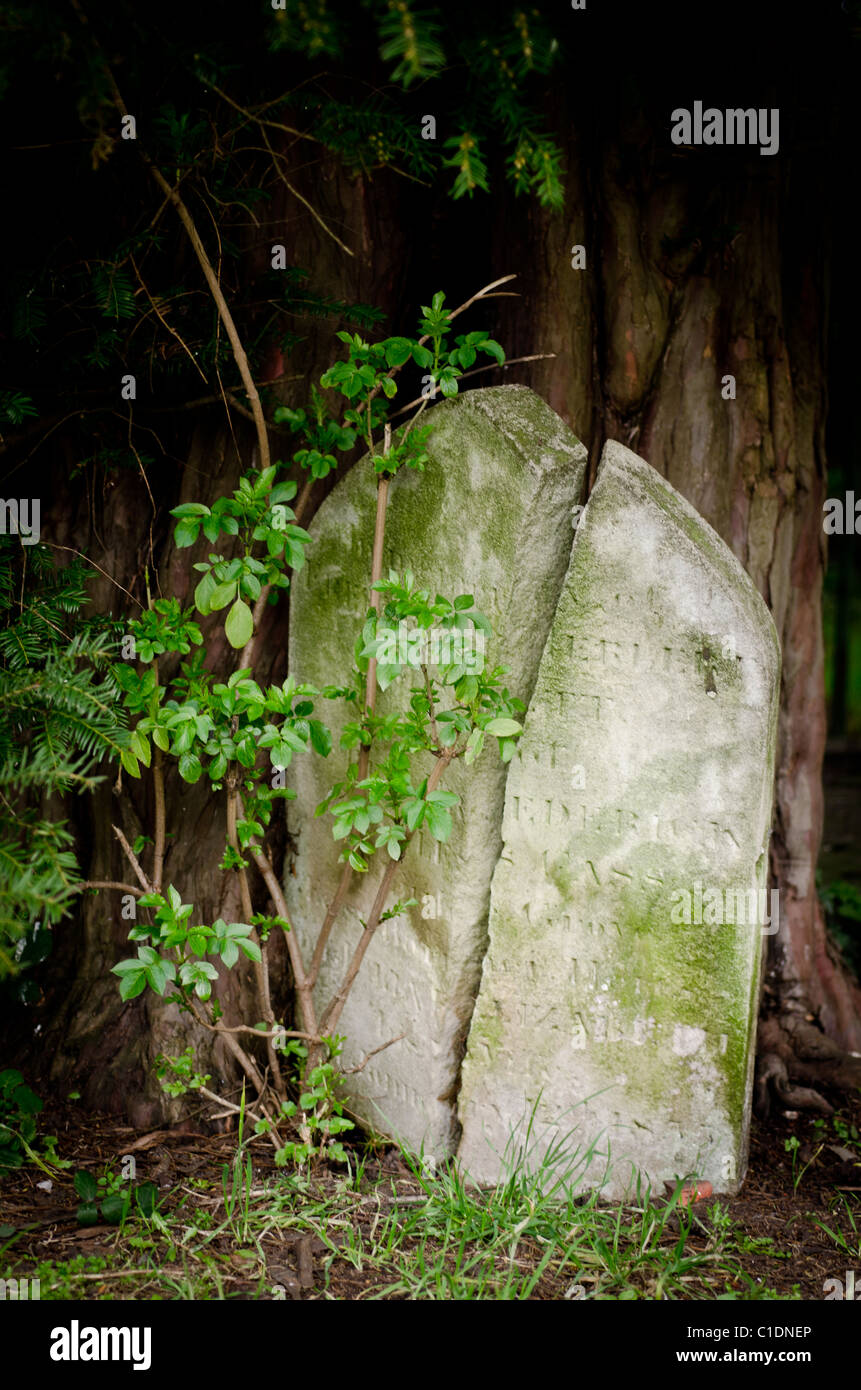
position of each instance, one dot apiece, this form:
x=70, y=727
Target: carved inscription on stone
x=633, y=1033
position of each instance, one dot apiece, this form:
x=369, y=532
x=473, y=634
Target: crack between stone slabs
x=452, y=1094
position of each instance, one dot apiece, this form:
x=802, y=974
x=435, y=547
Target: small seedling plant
x=241, y=736
x=111, y=1198
x=19, y=1106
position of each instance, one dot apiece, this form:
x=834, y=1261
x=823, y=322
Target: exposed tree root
x=795, y=1060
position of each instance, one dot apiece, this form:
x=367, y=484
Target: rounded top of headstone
x=650, y=515
x=519, y=414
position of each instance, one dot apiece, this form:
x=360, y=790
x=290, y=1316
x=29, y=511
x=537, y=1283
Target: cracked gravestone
x=618, y=998
x=491, y=516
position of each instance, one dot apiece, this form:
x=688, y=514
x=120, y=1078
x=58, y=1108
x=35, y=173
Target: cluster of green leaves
x=16, y=407
x=178, y=949
x=208, y=724
x=451, y=711
x=59, y=716
x=19, y=1105
x=164, y=627
x=322, y=435
x=110, y=1198
x=366, y=379
x=177, y=1075
x=319, y=1112
x=485, y=65
x=258, y=514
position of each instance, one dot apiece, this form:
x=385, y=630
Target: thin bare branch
x=163, y=321
x=488, y=367
x=133, y=859
x=302, y=199
x=107, y=883
x=261, y=966
x=360, y=1066
x=82, y=556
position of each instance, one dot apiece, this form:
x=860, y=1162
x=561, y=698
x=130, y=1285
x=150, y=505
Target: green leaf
x=85, y=1186
x=239, y=627
x=189, y=509
x=474, y=745
x=218, y=767
x=186, y=533
x=130, y=762
x=321, y=739
x=494, y=349
x=159, y=973
x=203, y=592
x=146, y=1196
x=397, y=351
x=221, y=595
x=190, y=767
x=113, y=1208
x=88, y=1214
x=140, y=747
x=438, y=821
x=503, y=728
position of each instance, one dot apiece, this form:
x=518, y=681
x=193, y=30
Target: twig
x=261, y=120
x=261, y=1033
x=158, y=792
x=328, y=922
x=231, y=1109
x=302, y=199
x=247, y=1063
x=132, y=858
x=261, y=966
x=488, y=367
x=484, y=294
x=360, y=1066
x=300, y=978
x=163, y=321
x=200, y=401
x=431, y=706
x=82, y=556
x=107, y=883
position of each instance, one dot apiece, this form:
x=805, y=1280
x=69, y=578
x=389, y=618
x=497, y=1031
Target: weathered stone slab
x=645, y=768
x=490, y=516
